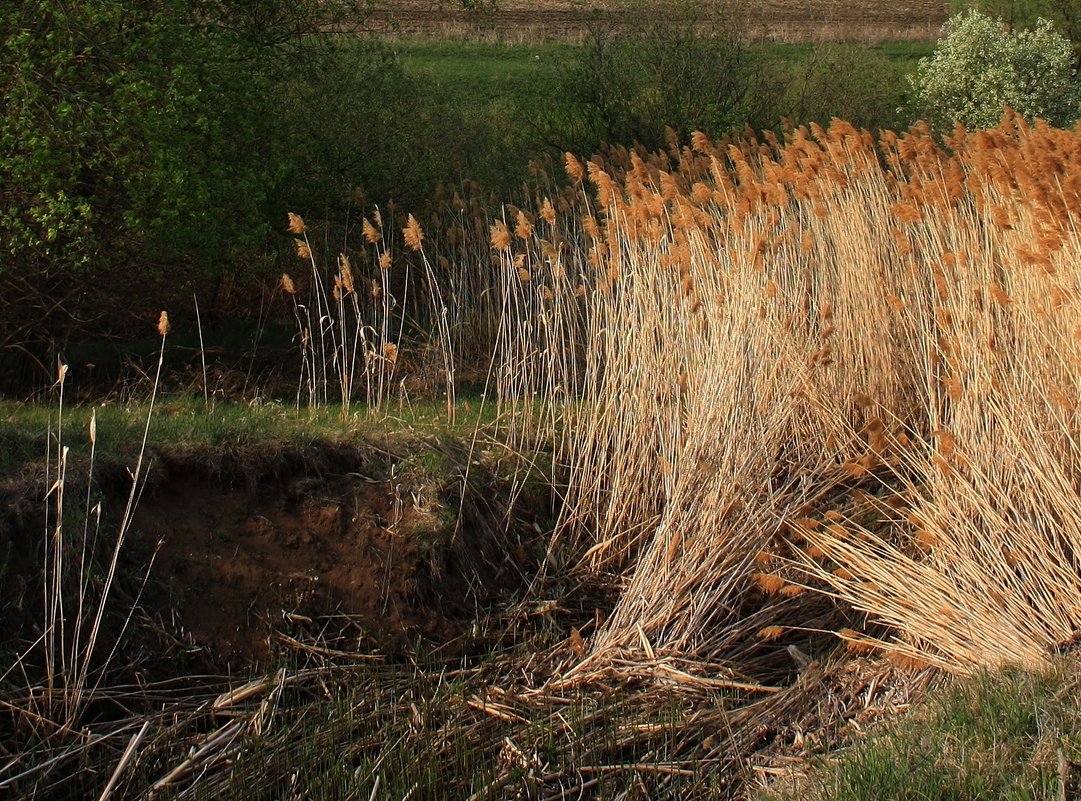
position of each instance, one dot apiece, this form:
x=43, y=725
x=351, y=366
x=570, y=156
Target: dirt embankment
x=353, y=547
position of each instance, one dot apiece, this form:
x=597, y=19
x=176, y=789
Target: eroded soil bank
x=364, y=547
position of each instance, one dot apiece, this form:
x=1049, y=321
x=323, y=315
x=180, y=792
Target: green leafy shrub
x=853, y=82
x=153, y=148
x=640, y=72
x=1065, y=14
x=979, y=68
x=128, y=125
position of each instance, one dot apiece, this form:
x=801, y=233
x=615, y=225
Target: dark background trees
x=151, y=144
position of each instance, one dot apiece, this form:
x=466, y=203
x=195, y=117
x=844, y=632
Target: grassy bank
x=191, y=422
x=1008, y=735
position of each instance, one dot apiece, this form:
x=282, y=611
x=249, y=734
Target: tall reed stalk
x=75, y=602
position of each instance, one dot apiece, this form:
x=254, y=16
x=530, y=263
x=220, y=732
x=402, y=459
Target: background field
x=778, y=20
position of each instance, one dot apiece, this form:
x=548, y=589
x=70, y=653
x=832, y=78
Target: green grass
x=513, y=77
x=187, y=421
x=993, y=736
x=479, y=105
x=904, y=53
x=482, y=74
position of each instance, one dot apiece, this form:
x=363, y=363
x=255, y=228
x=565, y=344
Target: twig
x=1063, y=774
x=202, y=349
x=322, y=651
x=639, y=767
x=226, y=732
x=125, y=758
x=495, y=710
x=579, y=788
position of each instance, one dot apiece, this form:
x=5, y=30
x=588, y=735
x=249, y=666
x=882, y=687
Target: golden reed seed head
x=384, y=260
x=296, y=224
x=700, y=142
x=855, y=642
x=500, y=236
x=346, y=270
x=303, y=251
x=854, y=469
x=924, y=539
x=906, y=212
x=548, y=212
x=412, y=233
x=687, y=285
x=764, y=557
x=573, y=167
x=390, y=352
x=371, y=235
x=946, y=442
x=524, y=228
x=288, y=285
x=955, y=389
x=1062, y=400
x=701, y=194
x=906, y=662
x=163, y=323
x=770, y=633
x=1001, y=217
x=768, y=582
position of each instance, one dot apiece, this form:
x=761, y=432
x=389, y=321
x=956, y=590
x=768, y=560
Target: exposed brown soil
x=777, y=20
x=242, y=563
x=349, y=546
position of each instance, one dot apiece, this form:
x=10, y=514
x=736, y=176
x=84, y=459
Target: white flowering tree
x=979, y=67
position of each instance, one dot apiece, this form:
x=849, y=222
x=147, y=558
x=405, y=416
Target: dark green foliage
x=697, y=71
x=149, y=151
x=857, y=83
x=146, y=148
x=687, y=70
x=132, y=130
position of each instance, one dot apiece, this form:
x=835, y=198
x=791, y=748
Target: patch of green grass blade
x=185, y=421
x=992, y=736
